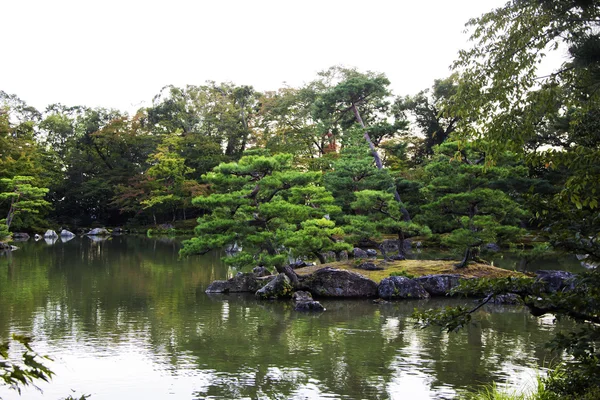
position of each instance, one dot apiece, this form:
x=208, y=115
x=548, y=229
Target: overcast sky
x=121, y=53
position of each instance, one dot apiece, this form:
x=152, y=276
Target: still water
x=126, y=319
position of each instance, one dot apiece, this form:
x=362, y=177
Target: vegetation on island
x=490, y=153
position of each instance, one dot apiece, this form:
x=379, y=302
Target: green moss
x=417, y=268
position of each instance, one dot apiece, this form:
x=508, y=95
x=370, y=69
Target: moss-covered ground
x=416, y=268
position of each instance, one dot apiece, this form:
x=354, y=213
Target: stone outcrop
x=331, y=282
x=438, y=285
x=278, y=288
x=400, y=287
x=242, y=282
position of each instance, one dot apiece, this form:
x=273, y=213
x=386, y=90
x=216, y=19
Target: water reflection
x=126, y=317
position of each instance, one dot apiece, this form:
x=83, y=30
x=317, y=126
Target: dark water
x=125, y=319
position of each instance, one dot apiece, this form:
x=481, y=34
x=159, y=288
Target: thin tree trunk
x=378, y=163
x=466, y=258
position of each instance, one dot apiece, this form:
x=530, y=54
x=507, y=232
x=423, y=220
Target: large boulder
x=400, y=287
x=331, y=282
x=66, y=234
x=99, y=232
x=438, y=285
x=278, y=288
x=50, y=234
x=555, y=281
x=242, y=282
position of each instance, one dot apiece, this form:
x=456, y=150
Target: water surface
x=125, y=318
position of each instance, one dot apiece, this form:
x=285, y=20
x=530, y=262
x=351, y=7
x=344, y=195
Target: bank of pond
x=126, y=317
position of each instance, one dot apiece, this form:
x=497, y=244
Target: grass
x=416, y=268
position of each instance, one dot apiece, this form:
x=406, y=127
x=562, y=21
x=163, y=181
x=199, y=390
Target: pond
x=125, y=319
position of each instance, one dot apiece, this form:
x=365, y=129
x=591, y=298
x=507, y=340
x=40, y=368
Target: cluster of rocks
x=339, y=283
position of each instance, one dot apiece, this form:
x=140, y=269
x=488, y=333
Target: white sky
x=121, y=53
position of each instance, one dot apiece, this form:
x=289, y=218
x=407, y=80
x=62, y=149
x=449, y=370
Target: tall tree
x=340, y=105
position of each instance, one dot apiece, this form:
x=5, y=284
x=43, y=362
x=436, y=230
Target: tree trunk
x=290, y=273
x=465, y=260
x=401, y=252
x=320, y=256
x=378, y=163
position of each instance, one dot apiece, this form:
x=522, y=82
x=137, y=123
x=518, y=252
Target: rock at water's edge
x=555, y=280
x=400, y=287
x=247, y=282
x=66, y=234
x=50, y=234
x=278, y=288
x=438, y=285
x=331, y=282
x=99, y=232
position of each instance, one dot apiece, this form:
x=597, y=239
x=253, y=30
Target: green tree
x=269, y=210
x=378, y=212
x=505, y=100
x=340, y=105
x=462, y=202
x=434, y=125
x=23, y=199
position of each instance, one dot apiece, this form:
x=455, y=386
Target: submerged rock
x=438, y=285
x=278, y=288
x=303, y=301
x=309, y=306
x=331, y=282
x=242, y=282
x=400, y=287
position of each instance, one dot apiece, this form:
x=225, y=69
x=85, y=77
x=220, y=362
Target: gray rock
x=301, y=296
x=492, y=247
x=369, y=266
x=37, y=237
x=438, y=285
x=371, y=252
x=278, y=288
x=240, y=283
x=50, y=234
x=309, y=306
x=360, y=253
x=509, y=298
x=261, y=271
x=4, y=246
x=343, y=255
x=389, y=245
x=555, y=281
x=66, y=234
x=99, y=232
x=400, y=287
x=21, y=236
x=329, y=256
x=331, y=282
